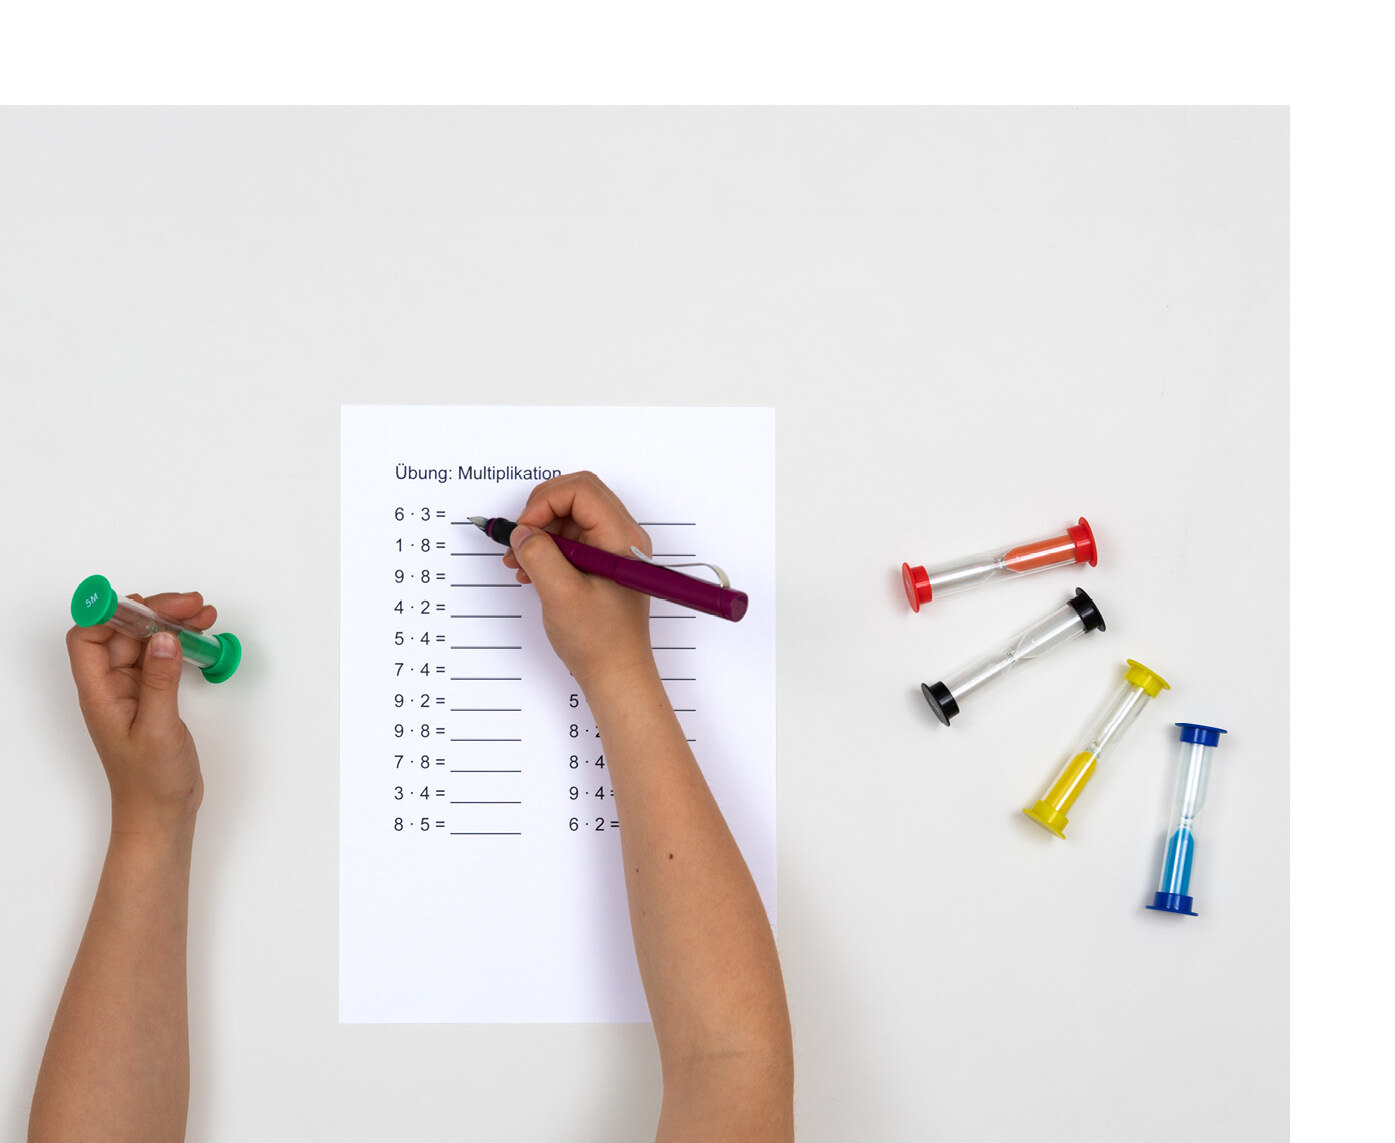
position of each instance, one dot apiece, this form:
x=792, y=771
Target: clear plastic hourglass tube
x=1077, y=616
x=1075, y=546
x=95, y=602
x=1193, y=768
x=1140, y=685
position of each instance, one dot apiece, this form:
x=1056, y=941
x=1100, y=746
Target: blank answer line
x=486, y=616
x=486, y=710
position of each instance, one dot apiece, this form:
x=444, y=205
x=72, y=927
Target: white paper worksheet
x=480, y=872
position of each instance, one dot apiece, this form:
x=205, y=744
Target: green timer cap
x=229, y=656
x=94, y=601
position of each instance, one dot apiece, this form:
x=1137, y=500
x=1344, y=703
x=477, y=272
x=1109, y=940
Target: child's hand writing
x=596, y=627
x=128, y=693
x=703, y=942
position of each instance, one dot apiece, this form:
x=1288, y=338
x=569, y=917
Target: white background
x=974, y=324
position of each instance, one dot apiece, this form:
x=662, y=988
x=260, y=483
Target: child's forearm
x=117, y=1062
x=704, y=946
x=705, y=950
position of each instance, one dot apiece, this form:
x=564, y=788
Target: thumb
x=159, y=680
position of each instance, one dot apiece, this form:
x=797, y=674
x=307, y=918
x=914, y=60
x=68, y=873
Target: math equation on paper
x=480, y=835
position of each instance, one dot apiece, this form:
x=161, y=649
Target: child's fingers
x=511, y=561
x=186, y=608
x=89, y=656
x=114, y=649
x=100, y=658
x=542, y=563
x=587, y=509
x=580, y=496
x=205, y=617
x=175, y=604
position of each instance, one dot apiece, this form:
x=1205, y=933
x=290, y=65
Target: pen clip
x=721, y=575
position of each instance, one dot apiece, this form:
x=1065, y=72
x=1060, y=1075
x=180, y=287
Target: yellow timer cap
x=1048, y=818
x=1141, y=676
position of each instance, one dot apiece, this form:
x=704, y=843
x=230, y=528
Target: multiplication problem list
x=480, y=872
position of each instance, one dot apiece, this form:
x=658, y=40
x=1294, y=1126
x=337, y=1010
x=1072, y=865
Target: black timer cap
x=1086, y=609
x=940, y=700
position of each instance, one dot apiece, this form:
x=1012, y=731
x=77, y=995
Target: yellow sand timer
x=1139, y=686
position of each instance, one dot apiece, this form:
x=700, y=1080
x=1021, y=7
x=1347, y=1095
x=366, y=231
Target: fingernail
x=163, y=645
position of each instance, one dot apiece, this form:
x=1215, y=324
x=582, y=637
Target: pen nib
x=478, y=521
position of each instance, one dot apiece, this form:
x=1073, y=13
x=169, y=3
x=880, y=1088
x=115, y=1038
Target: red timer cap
x=917, y=584
x=1084, y=543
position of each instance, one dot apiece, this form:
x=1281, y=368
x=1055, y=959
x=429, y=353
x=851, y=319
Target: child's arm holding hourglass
x=117, y=1062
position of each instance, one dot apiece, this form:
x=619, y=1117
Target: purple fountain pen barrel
x=637, y=575
x=660, y=582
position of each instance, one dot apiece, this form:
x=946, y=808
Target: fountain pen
x=637, y=575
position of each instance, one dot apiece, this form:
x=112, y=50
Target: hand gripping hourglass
x=1077, y=616
x=95, y=602
x=1194, y=767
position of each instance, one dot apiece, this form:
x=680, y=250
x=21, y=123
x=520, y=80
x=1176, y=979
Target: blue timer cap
x=1172, y=903
x=1199, y=735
